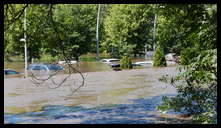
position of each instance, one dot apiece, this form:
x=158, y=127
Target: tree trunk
x=77, y=58
x=29, y=59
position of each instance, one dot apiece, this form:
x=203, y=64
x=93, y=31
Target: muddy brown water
x=101, y=88
x=82, y=66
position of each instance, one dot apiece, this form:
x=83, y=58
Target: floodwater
x=108, y=97
x=82, y=66
x=85, y=66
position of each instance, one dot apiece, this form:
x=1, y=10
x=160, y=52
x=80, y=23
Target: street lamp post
x=154, y=27
x=154, y=32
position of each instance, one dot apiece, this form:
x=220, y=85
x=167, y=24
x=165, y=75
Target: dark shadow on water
x=141, y=111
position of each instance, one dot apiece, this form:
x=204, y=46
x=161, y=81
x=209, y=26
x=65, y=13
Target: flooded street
x=81, y=66
x=128, y=96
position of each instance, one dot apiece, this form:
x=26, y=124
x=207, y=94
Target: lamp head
x=22, y=39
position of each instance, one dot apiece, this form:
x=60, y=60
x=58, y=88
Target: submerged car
x=108, y=61
x=10, y=72
x=45, y=67
x=63, y=62
x=171, y=57
x=144, y=63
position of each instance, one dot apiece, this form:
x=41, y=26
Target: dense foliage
x=52, y=29
x=127, y=29
x=178, y=26
x=187, y=55
x=197, y=81
x=197, y=89
x=159, y=58
x=126, y=62
x=75, y=28
x=36, y=32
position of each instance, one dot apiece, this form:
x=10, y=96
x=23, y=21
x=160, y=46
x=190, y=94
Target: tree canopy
x=128, y=28
x=124, y=29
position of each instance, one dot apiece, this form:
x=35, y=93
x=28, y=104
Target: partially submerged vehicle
x=63, y=62
x=108, y=61
x=144, y=63
x=171, y=56
x=10, y=72
x=45, y=67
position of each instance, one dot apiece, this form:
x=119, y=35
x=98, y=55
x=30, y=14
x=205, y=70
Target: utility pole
x=26, y=60
x=97, y=38
x=154, y=30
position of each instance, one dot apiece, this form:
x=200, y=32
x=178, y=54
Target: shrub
x=159, y=58
x=126, y=62
x=47, y=58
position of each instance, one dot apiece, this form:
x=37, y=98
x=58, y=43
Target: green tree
x=187, y=55
x=51, y=29
x=179, y=26
x=127, y=28
x=12, y=16
x=12, y=13
x=159, y=58
x=74, y=26
x=197, y=89
x=36, y=25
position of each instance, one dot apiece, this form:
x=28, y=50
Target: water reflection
x=83, y=66
x=140, y=111
x=92, y=66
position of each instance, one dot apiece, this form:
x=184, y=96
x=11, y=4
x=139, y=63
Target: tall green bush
x=126, y=62
x=159, y=58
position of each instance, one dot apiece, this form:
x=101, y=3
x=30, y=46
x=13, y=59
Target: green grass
x=47, y=58
x=17, y=58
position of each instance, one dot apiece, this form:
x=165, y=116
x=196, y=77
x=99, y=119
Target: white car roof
x=9, y=69
x=110, y=59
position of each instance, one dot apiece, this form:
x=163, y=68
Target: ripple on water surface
x=107, y=100
x=136, y=112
